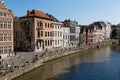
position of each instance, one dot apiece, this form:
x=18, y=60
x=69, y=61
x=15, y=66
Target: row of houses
x=96, y=32
x=37, y=31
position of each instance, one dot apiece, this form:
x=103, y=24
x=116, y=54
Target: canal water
x=96, y=64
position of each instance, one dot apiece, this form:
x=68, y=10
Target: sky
x=83, y=11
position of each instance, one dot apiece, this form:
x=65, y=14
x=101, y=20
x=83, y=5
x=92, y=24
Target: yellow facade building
x=33, y=32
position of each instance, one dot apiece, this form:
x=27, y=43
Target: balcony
x=39, y=28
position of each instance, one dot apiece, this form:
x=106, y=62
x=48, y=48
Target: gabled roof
x=53, y=18
x=101, y=23
x=70, y=23
x=3, y=6
x=36, y=13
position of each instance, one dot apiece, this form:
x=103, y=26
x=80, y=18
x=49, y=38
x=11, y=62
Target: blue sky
x=83, y=11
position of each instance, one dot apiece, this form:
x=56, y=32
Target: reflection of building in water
x=108, y=51
x=6, y=30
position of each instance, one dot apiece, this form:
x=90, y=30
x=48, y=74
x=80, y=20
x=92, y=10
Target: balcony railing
x=39, y=28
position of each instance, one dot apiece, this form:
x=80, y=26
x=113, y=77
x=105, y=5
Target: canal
x=96, y=64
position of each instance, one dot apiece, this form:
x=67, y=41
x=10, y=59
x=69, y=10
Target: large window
x=9, y=25
x=56, y=33
x=5, y=24
x=5, y=37
x=9, y=37
x=5, y=50
x=38, y=33
x=45, y=43
x=51, y=34
x=1, y=50
x=45, y=34
x=39, y=24
x=45, y=24
x=48, y=42
x=1, y=36
x=41, y=33
x=1, y=24
x=48, y=24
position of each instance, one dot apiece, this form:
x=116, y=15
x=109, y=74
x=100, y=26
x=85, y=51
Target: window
x=40, y=23
x=45, y=24
x=45, y=43
x=51, y=26
x=1, y=24
x=1, y=36
x=55, y=42
x=5, y=24
x=9, y=37
x=45, y=34
x=41, y=33
x=5, y=14
x=58, y=33
x=63, y=36
x=58, y=42
x=0, y=13
x=48, y=34
x=5, y=37
x=1, y=50
x=9, y=25
x=9, y=48
x=55, y=26
x=38, y=33
x=48, y=24
x=48, y=42
x=5, y=49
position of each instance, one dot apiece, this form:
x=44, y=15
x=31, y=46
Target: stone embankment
x=51, y=55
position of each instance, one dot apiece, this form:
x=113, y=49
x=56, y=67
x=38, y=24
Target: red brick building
x=6, y=30
x=87, y=34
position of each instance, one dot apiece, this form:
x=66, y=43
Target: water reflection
x=99, y=64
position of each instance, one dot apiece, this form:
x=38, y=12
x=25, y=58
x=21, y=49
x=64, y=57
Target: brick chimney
x=28, y=12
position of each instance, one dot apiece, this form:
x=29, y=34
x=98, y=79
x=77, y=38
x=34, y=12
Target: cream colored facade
x=6, y=30
x=57, y=34
x=97, y=34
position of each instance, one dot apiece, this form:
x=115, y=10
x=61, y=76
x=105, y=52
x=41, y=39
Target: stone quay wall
x=51, y=55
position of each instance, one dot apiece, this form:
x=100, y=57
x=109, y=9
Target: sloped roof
x=70, y=23
x=37, y=13
x=53, y=18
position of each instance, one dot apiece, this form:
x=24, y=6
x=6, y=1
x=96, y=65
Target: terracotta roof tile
x=37, y=13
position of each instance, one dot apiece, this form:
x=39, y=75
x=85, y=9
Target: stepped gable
x=3, y=6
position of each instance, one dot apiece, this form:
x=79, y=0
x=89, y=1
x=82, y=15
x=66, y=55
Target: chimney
x=28, y=13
